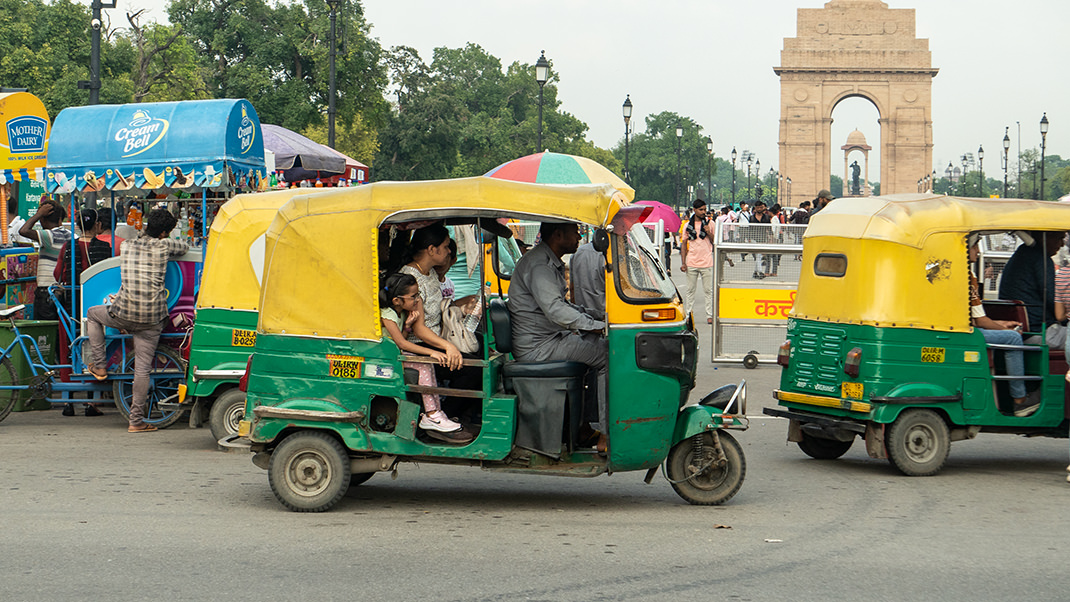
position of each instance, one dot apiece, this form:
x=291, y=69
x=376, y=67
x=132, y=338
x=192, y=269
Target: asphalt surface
x=90, y=512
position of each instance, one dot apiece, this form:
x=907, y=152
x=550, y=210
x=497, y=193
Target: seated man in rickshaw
x=1029, y=277
x=1000, y=332
x=545, y=326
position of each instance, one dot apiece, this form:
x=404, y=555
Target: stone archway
x=855, y=48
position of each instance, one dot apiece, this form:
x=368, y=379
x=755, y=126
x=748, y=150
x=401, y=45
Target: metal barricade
x=755, y=274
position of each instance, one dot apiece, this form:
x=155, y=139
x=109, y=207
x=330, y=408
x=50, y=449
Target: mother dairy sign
x=24, y=136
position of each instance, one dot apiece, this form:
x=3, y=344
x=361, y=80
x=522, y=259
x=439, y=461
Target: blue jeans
x=1013, y=359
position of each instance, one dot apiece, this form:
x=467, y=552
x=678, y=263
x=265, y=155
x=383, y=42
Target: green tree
x=277, y=57
x=165, y=66
x=653, y=159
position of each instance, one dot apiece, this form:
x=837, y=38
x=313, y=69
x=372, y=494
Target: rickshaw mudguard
x=696, y=419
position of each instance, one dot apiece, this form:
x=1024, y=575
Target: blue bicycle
x=168, y=371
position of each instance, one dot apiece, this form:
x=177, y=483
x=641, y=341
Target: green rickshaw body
x=880, y=343
x=323, y=372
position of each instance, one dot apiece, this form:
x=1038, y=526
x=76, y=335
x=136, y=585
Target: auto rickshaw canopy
x=905, y=257
x=321, y=263
x=234, y=265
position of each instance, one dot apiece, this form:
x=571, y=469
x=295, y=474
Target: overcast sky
x=712, y=60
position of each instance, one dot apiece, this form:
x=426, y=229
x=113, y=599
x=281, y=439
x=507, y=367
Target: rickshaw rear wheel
x=166, y=361
x=823, y=449
x=695, y=476
x=227, y=411
x=309, y=471
x=8, y=377
x=918, y=443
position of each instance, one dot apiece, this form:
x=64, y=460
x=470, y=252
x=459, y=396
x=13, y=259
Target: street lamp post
x=750, y=161
x=788, y=191
x=733, y=177
x=627, y=110
x=758, y=175
x=709, y=169
x=679, y=143
x=981, y=168
x=772, y=182
x=542, y=74
x=333, y=92
x=1006, y=157
x=1043, y=142
x=93, y=85
x=962, y=178
x=949, y=172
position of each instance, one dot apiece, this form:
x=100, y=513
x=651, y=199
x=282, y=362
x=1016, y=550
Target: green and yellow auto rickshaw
x=228, y=304
x=880, y=341
x=328, y=404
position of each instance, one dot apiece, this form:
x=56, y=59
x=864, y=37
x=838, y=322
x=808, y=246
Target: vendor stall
x=23, y=145
x=299, y=159
x=167, y=151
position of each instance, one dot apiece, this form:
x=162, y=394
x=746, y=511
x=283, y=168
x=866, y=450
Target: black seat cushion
x=544, y=370
x=503, y=330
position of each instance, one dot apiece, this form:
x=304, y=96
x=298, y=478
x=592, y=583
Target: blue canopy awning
x=187, y=145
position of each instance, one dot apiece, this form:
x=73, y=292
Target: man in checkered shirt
x=140, y=308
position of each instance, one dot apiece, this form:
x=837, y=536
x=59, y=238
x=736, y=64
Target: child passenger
x=401, y=313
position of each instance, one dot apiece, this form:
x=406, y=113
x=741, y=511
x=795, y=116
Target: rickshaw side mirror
x=600, y=240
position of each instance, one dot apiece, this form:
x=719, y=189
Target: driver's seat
x=547, y=392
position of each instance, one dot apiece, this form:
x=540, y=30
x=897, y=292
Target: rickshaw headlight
x=853, y=361
x=783, y=355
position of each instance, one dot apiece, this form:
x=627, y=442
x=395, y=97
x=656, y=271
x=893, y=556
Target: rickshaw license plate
x=242, y=338
x=932, y=355
x=345, y=366
x=852, y=390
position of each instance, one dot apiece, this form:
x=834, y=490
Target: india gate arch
x=855, y=48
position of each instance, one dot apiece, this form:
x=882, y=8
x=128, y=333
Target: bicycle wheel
x=168, y=371
x=8, y=378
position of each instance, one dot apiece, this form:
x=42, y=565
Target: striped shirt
x=142, y=297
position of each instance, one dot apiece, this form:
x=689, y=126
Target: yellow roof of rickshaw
x=234, y=264
x=321, y=264
x=906, y=260
x=909, y=219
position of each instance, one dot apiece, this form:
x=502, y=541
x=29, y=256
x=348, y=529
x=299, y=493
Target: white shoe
x=438, y=421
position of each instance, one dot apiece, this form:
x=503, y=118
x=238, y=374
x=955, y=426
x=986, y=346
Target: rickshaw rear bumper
x=821, y=426
x=235, y=442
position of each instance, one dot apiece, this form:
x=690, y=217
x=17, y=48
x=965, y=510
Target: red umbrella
x=662, y=212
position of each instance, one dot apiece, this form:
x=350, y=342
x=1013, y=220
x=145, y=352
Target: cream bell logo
x=246, y=132
x=141, y=134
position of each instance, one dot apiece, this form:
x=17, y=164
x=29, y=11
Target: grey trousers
x=145, y=337
x=589, y=348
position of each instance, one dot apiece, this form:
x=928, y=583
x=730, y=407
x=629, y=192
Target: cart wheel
x=918, y=443
x=695, y=476
x=168, y=371
x=309, y=471
x=227, y=411
x=8, y=378
x=823, y=449
x=750, y=361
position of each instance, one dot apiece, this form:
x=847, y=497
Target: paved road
x=89, y=512
x=93, y=513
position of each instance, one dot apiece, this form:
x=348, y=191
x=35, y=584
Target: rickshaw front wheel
x=309, y=471
x=696, y=474
x=918, y=443
x=823, y=449
x=8, y=377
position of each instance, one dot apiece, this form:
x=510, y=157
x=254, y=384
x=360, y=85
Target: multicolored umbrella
x=662, y=212
x=557, y=168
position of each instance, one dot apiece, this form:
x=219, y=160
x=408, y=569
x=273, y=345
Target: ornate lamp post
x=709, y=169
x=773, y=182
x=757, y=177
x=1006, y=161
x=679, y=143
x=788, y=197
x=627, y=110
x=962, y=178
x=750, y=160
x=949, y=172
x=981, y=168
x=1043, y=142
x=542, y=74
x=733, y=176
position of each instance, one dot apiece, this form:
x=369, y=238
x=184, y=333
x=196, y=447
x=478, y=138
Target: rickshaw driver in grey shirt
x=546, y=327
